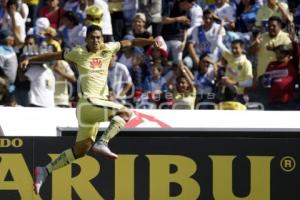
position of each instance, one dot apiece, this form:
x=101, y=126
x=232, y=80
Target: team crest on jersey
x=95, y=63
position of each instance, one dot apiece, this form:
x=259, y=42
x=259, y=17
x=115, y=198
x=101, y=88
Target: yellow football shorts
x=90, y=112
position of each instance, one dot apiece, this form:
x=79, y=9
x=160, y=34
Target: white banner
x=24, y=121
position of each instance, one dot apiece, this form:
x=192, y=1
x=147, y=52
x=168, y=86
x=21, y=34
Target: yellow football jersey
x=93, y=69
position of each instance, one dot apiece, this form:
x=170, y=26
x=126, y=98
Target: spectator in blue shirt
x=246, y=15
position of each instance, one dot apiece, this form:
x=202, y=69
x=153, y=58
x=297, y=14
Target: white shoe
x=40, y=175
x=102, y=149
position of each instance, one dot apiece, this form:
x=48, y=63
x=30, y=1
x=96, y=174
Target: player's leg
x=86, y=135
x=41, y=173
x=68, y=156
x=79, y=150
x=117, y=122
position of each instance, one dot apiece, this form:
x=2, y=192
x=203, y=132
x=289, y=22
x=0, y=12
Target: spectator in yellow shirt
x=262, y=46
x=185, y=92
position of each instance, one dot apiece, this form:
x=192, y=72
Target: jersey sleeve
x=71, y=56
x=113, y=46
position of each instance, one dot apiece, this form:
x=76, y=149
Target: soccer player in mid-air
x=92, y=63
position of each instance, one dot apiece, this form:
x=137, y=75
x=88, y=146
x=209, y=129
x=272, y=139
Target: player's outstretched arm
x=41, y=58
x=139, y=42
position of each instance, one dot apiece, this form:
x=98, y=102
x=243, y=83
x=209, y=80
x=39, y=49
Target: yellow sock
x=113, y=129
x=62, y=160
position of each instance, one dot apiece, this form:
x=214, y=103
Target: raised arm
x=186, y=73
x=138, y=42
x=16, y=29
x=255, y=44
x=285, y=12
x=191, y=50
x=220, y=43
x=171, y=20
x=42, y=58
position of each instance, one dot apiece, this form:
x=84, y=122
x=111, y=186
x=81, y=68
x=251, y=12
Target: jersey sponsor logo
x=95, y=63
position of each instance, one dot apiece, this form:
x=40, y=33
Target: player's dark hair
x=93, y=28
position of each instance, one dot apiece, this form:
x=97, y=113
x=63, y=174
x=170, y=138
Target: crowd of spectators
x=213, y=54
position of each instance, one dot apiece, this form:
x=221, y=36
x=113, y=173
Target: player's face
x=94, y=41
